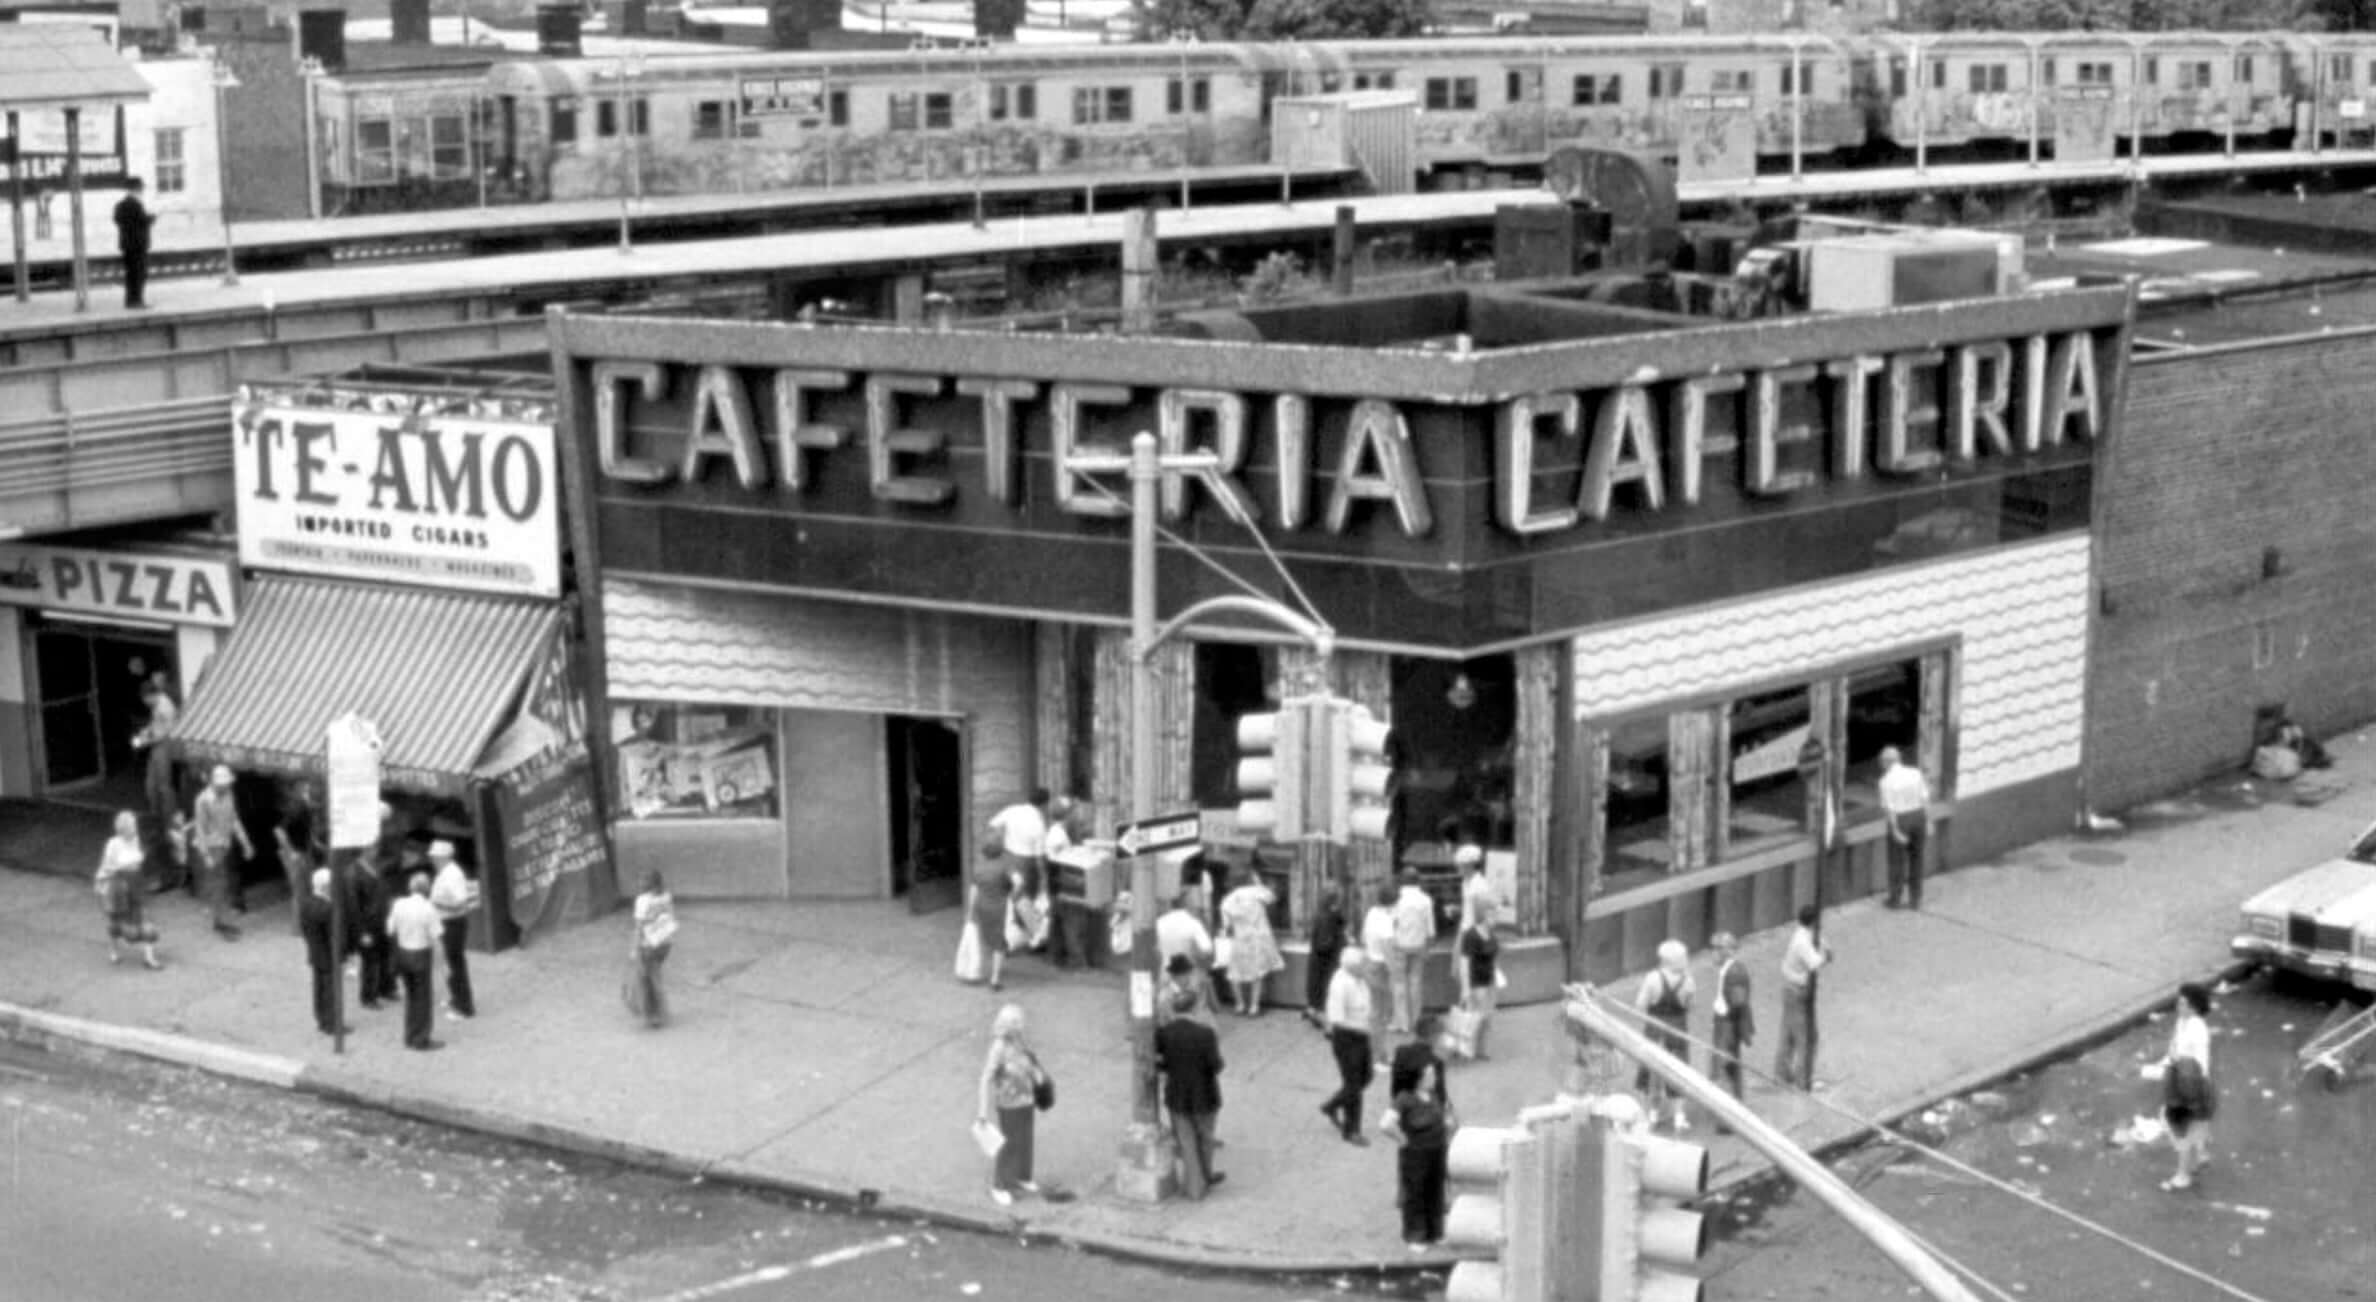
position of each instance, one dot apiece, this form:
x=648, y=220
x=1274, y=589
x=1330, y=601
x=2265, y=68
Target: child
x=2188, y=1098
x=1426, y=1138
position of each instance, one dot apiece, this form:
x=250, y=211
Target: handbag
x=1462, y=1025
x=1224, y=949
x=969, y=950
x=1043, y=1086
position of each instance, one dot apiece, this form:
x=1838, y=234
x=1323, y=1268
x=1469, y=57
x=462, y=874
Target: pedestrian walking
x=2189, y=1100
x=1377, y=968
x=1349, y=1022
x=655, y=933
x=1905, y=802
x=993, y=892
x=1794, y=1062
x=121, y=892
x=1068, y=934
x=1014, y=1089
x=1181, y=936
x=455, y=897
x=133, y=222
x=1477, y=958
x=215, y=830
x=1253, y=949
x=1665, y=1002
x=1188, y=1054
x=1414, y=934
x=171, y=862
x=1320, y=962
x=1022, y=831
x=316, y=920
x=1423, y=1121
x=413, y=926
x=1732, y=1024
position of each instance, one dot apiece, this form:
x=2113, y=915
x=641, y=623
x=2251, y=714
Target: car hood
x=2340, y=892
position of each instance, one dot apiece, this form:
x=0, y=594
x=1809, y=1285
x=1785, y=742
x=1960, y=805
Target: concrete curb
x=2105, y=1026
x=37, y=1027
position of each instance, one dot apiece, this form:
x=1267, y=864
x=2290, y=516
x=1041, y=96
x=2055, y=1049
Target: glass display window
x=696, y=761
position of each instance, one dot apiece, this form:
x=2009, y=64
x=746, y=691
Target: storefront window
x=1767, y=796
x=1884, y=709
x=1454, y=723
x=1637, y=803
x=695, y=761
x=1232, y=679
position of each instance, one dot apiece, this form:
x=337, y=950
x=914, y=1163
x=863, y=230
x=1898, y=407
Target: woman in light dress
x=1253, y=950
x=655, y=933
x=120, y=888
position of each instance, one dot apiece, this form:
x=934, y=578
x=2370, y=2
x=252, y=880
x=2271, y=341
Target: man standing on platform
x=1795, y=1063
x=455, y=897
x=132, y=221
x=413, y=927
x=215, y=828
x=1905, y=800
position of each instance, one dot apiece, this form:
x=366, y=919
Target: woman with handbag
x=655, y=929
x=993, y=899
x=119, y=885
x=1014, y=1090
x=1253, y=952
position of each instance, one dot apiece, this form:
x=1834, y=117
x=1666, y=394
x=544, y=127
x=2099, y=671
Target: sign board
x=2352, y=110
x=354, y=780
x=1169, y=832
x=783, y=97
x=555, y=855
x=43, y=131
x=1716, y=138
x=447, y=500
x=138, y=585
x=1770, y=758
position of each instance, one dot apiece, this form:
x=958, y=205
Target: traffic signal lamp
x=1359, y=773
x=1504, y=1223
x=1271, y=777
x=1648, y=1241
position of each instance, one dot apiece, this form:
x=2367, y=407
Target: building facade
x=1642, y=596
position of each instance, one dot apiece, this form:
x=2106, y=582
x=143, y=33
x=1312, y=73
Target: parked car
x=2320, y=922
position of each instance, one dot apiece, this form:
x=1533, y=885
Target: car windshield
x=2365, y=850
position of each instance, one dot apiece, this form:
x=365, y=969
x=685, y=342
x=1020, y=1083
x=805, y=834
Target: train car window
x=1724, y=80
x=1595, y=88
x=2339, y=69
x=709, y=119
x=2046, y=71
x=375, y=151
x=639, y=116
x=2195, y=75
x=1019, y=101
x=940, y=110
x=449, y=146
x=837, y=108
x=1938, y=74
x=2244, y=67
x=1451, y=92
x=1198, y=96
x=1094, y=104
x=1790, y=75
x=1373, y=81
x=903, y=110
x=1897, y=79
x=1666, y=80
x=1514, y=86
x=1987, y=78
x=2093, y=74
x=565, y=121
x=606, y=118
x=2153, y=70
x=1331, y=83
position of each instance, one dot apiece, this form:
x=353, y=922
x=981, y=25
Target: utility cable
x=1177, y=540
x=2036, y=1200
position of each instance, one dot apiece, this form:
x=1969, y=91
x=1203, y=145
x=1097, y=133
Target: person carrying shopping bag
x=1015, y=1089
x=655, y=933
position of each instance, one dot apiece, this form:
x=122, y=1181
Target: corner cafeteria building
x=1641, y=594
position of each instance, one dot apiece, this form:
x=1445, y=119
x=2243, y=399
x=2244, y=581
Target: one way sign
x=1170, y=832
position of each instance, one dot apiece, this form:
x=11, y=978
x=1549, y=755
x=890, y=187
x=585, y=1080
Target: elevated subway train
x=741, y=121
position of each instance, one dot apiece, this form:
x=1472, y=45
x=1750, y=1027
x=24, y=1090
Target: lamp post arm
x=1321, y=637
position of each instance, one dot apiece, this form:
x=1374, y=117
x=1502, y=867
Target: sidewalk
x=825, y=1047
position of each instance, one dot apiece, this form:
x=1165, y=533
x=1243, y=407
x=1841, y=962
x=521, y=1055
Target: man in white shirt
x=1414, y=933
x=1794, y=1063
x=1349, y=1019
x=413, y=926
x=1022, y=830
x=1905, y=801
x=455, y=897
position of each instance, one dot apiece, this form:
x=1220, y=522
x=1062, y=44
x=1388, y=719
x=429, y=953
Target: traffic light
x=1358, y=773
x=1271, y=779
x=1507, y=1224
x=1647, y=1240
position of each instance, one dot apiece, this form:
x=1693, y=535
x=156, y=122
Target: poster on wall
x=556, y=859
x=695, y=761
x=402, y=488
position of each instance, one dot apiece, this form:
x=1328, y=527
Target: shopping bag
x=1018, y=936
x=969, y=953
x=1462, y=1025
x=1224, y=950
x=988, y=1137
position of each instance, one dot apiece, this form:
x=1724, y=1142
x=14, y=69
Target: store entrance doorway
x=927, y=784
x=87, y=681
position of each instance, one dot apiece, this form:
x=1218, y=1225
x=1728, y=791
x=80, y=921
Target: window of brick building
x=172, y=164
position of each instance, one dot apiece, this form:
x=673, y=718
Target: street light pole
x=630, y=67
x=224, y=79
x=1145, y=1170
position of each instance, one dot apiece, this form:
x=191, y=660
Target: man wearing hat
x=314, y=918
x=1188, y=1054
x=455, y=897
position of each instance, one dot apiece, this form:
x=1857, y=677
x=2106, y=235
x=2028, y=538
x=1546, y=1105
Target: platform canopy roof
x=57, y=65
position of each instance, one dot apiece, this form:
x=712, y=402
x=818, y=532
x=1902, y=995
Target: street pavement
x=825, y=1047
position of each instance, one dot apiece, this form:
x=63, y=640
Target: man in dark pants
x=1732, y=1025
x=314, y=919
x=132, y=221
x=367, y=926
x=412, y=927
x=1320, y=965
x=1188, y=1054
x=1349, y=1043
x=1905, y=801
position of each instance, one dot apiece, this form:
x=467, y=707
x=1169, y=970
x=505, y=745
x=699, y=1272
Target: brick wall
x=2222, y=457
x=264, y=118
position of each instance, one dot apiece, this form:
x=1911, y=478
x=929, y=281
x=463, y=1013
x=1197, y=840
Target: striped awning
x=439, y=673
